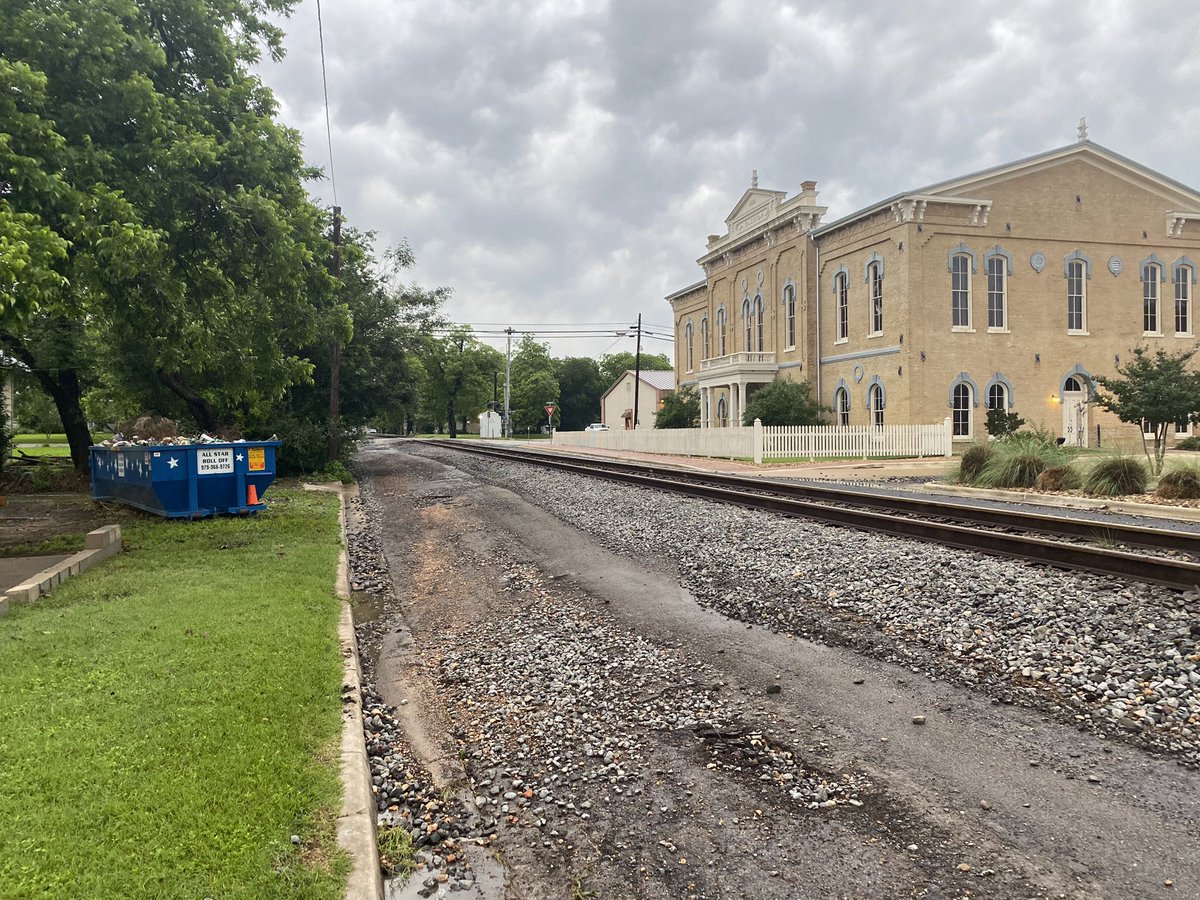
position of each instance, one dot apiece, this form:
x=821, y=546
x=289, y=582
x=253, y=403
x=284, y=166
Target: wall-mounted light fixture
x=922, y=356
x=1037, y=359
x=899, y=370
x=1008, y=226
x=1116, y=359
x=901, y=247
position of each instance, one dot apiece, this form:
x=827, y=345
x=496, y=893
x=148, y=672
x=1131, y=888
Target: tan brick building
x=1016, y=286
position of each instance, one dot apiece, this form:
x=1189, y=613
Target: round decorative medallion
x=1115, y=265
x=1038, y=261
x=858, y=373
x=745, y=282
x=761, y=277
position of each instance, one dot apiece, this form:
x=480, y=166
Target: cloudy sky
x=561, y=161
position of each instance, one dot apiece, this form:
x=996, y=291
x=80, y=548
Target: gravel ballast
x=1111, y=656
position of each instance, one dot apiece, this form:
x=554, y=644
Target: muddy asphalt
x=975, y=799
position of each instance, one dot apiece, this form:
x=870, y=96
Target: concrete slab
x=18, y=569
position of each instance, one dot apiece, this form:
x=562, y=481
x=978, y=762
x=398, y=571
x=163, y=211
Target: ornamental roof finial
x=1083, y=129
x=754, y=178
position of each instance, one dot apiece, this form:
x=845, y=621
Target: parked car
x=597, y=426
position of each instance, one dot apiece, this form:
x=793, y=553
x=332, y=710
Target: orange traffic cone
x=251, y=495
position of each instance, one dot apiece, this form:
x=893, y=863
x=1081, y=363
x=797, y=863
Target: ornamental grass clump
x=1117, y=476
x=1180, y=484
x=1059, y=478
x=974, y=459
x=1018, y=459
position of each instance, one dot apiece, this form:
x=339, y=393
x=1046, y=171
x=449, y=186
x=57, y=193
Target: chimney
x=808, y=186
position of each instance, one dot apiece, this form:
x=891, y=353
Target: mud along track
x=559, y=666
x=1012, y=533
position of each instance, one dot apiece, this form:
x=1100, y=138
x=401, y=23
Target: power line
x=325, y=86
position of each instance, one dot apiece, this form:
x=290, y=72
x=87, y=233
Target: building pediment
x=755, y=207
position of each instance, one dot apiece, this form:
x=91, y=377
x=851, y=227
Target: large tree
x=533, y=384
x=1155, y=391
x=201, y=264
x=581, y=387
x=783, y=403
x=458, y=376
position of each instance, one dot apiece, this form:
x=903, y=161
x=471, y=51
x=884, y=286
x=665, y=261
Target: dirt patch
x=32, y=524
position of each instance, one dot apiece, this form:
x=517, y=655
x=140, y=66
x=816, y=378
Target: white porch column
x=735, y=404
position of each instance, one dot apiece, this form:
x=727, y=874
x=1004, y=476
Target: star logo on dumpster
x=239, y=457
x=173, y=462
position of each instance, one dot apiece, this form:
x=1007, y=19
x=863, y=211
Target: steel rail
x=1178, y=574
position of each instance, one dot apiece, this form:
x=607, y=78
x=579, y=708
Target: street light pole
x=508, y=384
x=637, y=372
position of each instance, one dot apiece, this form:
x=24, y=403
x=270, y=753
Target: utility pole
x=335, y=351
x=508, y=384
x=637, y=372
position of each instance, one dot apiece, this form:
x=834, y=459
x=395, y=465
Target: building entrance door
x=1075, y=414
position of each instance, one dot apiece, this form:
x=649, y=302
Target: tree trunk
x=452, y=418
x=67, y=395
x=201, y=410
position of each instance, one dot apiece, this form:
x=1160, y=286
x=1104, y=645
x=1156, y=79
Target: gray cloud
x=563, y=161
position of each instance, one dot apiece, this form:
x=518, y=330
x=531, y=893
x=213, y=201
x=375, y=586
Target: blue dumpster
x=186, y=480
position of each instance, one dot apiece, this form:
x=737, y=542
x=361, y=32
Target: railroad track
x=1021, y=534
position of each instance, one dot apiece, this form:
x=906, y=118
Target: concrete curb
x=356, y=821
x=99, y=544
x=1184, y=513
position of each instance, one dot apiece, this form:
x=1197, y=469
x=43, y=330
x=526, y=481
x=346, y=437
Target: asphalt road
x=980, y=800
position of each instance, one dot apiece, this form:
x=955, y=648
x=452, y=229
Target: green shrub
x=1180, y=484
x=974, y=459
x=1012, y=470
x=1117, y=476
x=1059, y=478
x=1192, y=443
x=337, y=471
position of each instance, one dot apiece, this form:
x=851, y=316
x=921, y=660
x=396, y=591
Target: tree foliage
x=680, y=409
x=783, y=403
x=581, y=387
x=180, y=201
x=534, y=384
x=1155, y=390
x=613, y=365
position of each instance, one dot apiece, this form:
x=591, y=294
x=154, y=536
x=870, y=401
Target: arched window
x=841, y=405
x=875, y=280
x=997, y=275
x=704, y=338
x=789, y=315
x=758, y=322
x=1151, y=279
x=875, y=402
x=1185, y=277
x=841, y=289
x=690, y=334
x=747, y=322
x=962, y=410
x=997, y=397
x=1077, y=269
x=722, y=324
x=960, y=291
x=722, y=412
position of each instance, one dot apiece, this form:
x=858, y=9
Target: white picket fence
x=726, y=443
x=858, y=441
x=784, y=442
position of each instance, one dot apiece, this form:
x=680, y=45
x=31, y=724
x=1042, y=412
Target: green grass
x=64, y=451
x=54, y=438
x=171, y=718
x=61, y=543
